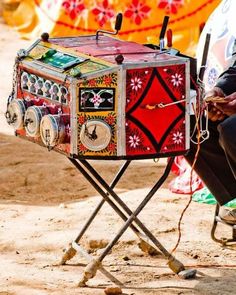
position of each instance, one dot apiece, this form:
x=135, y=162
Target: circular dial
x=32, y=120
x=15, y=113
x=95, y=135
x=51, y=130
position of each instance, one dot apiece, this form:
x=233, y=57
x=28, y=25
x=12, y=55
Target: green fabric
x=204, y=196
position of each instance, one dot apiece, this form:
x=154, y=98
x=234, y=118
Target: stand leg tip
x=69, y=254
x=175, y=265
x=82, y=283
x=89, y=272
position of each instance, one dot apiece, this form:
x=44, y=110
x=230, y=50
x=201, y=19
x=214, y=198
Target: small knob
x=45, y=37
x=119, y=59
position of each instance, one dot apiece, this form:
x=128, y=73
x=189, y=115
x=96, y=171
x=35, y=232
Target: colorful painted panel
x=109, y=80
x=55, y=58
x=155, y=123
x=40, y=86
x=96, y=99
x=90, y=67
x=97, y=116
x=98, y=94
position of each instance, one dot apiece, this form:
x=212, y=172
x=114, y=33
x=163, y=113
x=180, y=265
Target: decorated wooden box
x=100, y=97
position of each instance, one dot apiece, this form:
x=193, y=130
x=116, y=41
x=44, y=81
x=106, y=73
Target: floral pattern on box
x=109, y=80
x=96, y=99
x=137, y=81
x=152, y=129
x=174, y=78
x=98, y=94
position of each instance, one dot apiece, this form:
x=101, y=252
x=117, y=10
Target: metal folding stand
x=148, y=242
x=217, y=219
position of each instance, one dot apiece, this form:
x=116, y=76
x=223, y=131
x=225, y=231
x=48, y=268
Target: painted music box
x=100, y=97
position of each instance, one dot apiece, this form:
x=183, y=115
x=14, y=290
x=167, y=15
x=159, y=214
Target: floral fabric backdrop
x=142, y=19
x=222, y=48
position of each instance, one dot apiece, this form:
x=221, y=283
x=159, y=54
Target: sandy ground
x=45, y=202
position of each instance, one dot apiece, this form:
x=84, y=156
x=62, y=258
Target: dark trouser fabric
x=216, y=162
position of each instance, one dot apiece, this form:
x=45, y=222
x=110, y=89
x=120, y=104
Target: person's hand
x=228, y=108
x=215, y=91
x=213, y=112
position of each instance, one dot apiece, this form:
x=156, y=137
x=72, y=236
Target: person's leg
x=227, y=140
x=212, y=166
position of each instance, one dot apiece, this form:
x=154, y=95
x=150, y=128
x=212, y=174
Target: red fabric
x=181, y=184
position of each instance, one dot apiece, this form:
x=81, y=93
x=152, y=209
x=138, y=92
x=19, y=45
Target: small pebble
x=187, y=274
x=113, y=291
x=125, y=258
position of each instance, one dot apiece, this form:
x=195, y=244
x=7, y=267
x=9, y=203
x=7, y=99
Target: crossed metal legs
x=223, y=241
x=147, y=239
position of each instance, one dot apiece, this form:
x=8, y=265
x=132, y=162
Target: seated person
x=216, y=162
